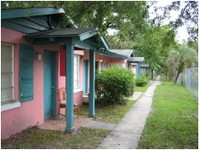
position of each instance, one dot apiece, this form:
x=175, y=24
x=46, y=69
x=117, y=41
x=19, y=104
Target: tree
x=102, y=14
x=154, y=45
x=180, y=58
x=188, y=15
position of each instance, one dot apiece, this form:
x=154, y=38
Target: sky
x=181, y=31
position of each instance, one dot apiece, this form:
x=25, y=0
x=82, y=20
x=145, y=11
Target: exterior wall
x=78, y=93
x=133, y=69
x=30, y=113
x=104, y=59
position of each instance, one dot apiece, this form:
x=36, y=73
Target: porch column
x=138, y=70
x=92, y=84
x=69, y=87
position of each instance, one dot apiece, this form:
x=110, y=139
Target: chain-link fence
x=189, y=78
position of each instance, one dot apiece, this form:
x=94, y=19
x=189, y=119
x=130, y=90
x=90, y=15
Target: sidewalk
x=127, y=133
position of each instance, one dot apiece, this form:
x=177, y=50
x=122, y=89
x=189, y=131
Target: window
x=7, y=73
x=103, y=65
x=76, y=70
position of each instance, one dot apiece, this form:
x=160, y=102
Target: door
x=85, y=76
x=49, y=84
x=96, y=65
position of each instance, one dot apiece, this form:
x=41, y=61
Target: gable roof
x=30, y=12
x=83, y=33
x=144, y=65
x=41, y=26
x=136, y=59
x=31, y=20
x=126, y=52
x=90, y=35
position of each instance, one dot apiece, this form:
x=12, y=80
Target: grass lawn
x=83, y=138
x=35, y=138
x=111, y=113
x=173, y=122
x=141, y=89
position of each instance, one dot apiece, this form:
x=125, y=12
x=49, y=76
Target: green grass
x=141, y=89
x=173, y=122
x=83, y=138
x=35, y=138
x=110, y=113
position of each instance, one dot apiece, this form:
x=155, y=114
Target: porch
x=59, y=123
x=41, y=31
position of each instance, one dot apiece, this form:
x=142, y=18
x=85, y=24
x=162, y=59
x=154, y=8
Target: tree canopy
x=149, y=38
x=187, y=15
x=154, y=45
x=102, y=14
x=180, y=58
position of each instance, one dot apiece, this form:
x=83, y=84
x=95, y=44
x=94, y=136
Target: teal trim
x=90, y=45
x=28, y=23
x=54, y=67
x=85, y=44
x=26, y=73
x=49, y=84
x=85, y=76
x=70, y=87
x=48, y=40
x=92, y=84
x=104, y=42
x=138, y=70
x=88, y=34
x=17, y=27
x=29, y=12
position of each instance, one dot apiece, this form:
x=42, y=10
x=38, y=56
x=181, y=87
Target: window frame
x=12, y=75
x=12, y=104
x=77, y=73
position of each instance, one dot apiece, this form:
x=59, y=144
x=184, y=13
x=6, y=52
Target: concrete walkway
x=135, y=96
x=127, y=133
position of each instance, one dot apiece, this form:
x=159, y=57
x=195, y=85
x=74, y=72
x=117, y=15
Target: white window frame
x=11, y=104
x=77, y=72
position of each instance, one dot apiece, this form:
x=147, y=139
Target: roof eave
x=29, y=12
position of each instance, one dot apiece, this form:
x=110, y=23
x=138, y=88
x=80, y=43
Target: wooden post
x=70, y=87
x=92, y=84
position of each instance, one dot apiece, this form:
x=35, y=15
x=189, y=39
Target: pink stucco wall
x=30, y=113
x=78, y=96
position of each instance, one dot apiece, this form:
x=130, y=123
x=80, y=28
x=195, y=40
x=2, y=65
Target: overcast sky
x=181, y=31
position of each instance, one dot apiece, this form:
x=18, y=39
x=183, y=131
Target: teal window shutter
x=26, y=73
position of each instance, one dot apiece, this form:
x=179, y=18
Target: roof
x=144, y=65
x=31, y=20
x=65, y=32
x=41, y=26
x=136, y=59
x=90, y=35
x=112, y=54
x=29, y=12
x=134, y=64
x=126, y=52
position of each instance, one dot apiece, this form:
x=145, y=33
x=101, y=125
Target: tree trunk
x=152, y=74
x=176, y=78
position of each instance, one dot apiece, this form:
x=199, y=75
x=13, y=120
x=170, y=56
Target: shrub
x=113, y=84
x=141, y=81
